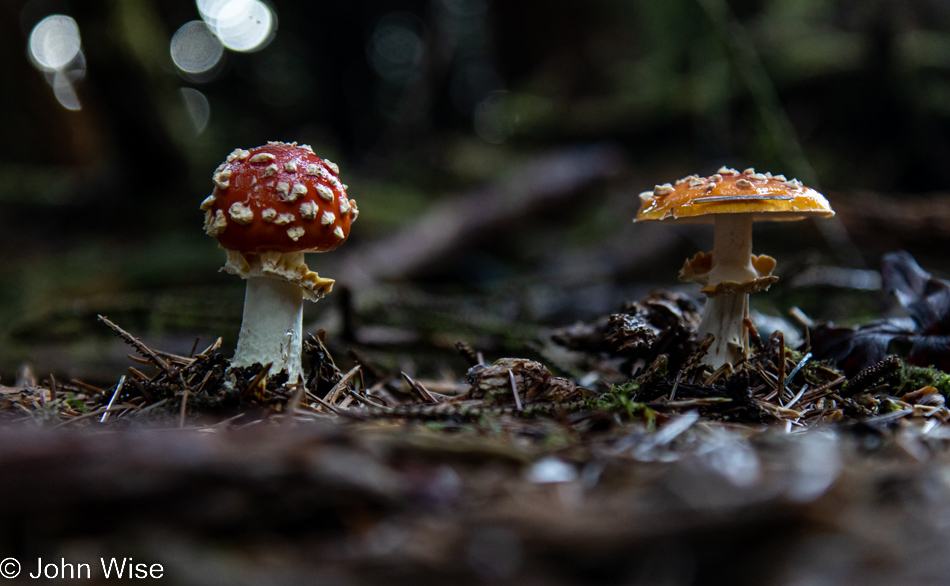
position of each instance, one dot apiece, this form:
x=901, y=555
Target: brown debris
x=655, y=336
x=872, y=374
x=662, y=323
x=535, y=382
x=629, y=334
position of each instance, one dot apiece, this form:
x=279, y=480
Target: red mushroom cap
x=279, y=197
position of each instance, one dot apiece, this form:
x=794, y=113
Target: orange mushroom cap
x=697, y=199
x=279, y=197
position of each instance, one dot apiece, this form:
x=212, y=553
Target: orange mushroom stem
x=732, y=201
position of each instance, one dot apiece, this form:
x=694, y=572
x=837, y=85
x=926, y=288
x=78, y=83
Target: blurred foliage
x=421, y=101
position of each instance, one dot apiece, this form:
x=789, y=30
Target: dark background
x=496, y=150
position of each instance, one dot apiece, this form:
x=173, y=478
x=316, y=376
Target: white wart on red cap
x=279, y=197
x=273, y=203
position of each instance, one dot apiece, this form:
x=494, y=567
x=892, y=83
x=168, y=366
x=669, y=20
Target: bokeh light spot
x=195, y=49
x=197, y=107
x=65, y=92
x=493, y=122
x=241, y=25
x=54, y=42
x=396, y=48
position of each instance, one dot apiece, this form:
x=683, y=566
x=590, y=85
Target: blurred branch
x=548, y=179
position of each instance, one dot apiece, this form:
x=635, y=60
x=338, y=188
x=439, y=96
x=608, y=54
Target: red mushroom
x=270, y=205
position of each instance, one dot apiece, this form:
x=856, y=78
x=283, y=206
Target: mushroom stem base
x=724, y=317
x=727, y=307
x=272, y=325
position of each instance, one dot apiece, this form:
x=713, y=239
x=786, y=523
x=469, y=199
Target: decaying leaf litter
x=638, y=463
x=643, y=369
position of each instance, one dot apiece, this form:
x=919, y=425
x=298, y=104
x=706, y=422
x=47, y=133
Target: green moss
x=887, y=406
x=915, y=377
x=77, y=404
x=623, y=398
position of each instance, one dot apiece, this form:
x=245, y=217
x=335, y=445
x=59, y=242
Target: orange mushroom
x=731, y=201
x=271, y=205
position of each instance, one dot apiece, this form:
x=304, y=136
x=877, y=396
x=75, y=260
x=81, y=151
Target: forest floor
x=648, y=469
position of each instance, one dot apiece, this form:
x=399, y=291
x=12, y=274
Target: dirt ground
x=343, y=503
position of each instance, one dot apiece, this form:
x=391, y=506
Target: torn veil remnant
x=271, y=205
x=731, y=201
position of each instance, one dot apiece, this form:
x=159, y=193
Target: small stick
x=257, y=380
x=797, y=397
x=467, y=353
x=52, y=388
x=340, y=412
x=758, y=389
x=338, y=387
x=676, y=384
x=417, y=386
x=724, y=370
x=150, y=407
x=86, y=386
x=229, y=420
x=825, y=389
x=699, y=402
x=138, y=373
x=365, y=399
x=779, y=412
x=326, y=405
x=204, y=353
x=127, y=408
x=83, y=416
x=753, y=333
x=181, y=360
x=138, y=345
x=193, y=348
x=204, y=381
x=184, y=409
x=780, y=337
x=118, y=389
x=801, y=317
x=889, y=416
x=799, y=366
x=295, y=398
x=514, y=389
x=768, y=377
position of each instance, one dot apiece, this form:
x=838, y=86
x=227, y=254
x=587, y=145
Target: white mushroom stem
x=724, y=317
x=272, y=325
x=725, y=314
x=277, y=284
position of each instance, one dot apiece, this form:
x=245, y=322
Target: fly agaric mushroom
x=731, y=201
x=270, y=205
